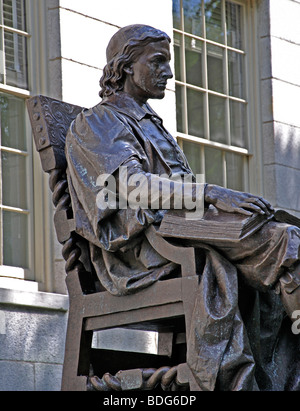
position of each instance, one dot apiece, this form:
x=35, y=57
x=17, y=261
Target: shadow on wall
x=282, y=168
x=32, y=343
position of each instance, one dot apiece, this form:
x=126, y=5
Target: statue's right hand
x=236, y=201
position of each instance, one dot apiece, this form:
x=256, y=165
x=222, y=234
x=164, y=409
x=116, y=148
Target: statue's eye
x=159, y=60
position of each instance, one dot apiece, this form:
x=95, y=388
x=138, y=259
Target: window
x=15, y=145
x=211, y=89
x=13, y=43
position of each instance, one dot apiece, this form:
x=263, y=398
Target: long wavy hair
x=113, y=76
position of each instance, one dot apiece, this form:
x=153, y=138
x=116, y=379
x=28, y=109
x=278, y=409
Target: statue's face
x=148, y=75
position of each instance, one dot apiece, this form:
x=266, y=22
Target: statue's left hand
x=236, y=202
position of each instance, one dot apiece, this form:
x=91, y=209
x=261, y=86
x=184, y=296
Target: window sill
x=14, y=90
x=18, y=284
x=34, y=299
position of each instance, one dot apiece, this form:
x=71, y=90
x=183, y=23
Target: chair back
x=50, y=120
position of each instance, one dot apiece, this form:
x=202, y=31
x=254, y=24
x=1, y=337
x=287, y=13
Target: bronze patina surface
x=241, y=308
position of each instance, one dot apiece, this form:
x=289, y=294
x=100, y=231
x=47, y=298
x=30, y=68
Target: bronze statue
x=242, y=337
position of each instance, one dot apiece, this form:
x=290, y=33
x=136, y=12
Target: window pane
x=15, y=239
x=14, y=14
x=215, y=58
x=213, y=18
x=213, y=166
x=193, y=155
x=14, y=187
x=1, y=58
x=8, y=13
x=195, y=103
x=193, y=61
x=177, y=51
x=12, y=121
x=234, y=23
x=235, y=171
x=176, y=14
x=237, y=124
x=15, y=60
x=180, y=112
x=217, y=124
x=192, y=17
x=236, y=74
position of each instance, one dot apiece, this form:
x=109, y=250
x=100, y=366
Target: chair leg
x=189, y=294
x=77, y=342
x=70, y=380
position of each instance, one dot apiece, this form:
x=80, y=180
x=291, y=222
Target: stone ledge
x=26, y=376
x=47, y=301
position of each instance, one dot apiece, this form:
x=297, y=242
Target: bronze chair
x=165, y=307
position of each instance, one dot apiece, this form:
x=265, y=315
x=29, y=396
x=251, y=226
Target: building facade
x=231, y=106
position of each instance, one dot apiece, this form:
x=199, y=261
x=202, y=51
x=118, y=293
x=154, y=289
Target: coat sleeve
x=96, y=146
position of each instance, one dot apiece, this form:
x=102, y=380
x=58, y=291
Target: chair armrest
x=184, y=256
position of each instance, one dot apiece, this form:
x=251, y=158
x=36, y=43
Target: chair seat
x=163, y=307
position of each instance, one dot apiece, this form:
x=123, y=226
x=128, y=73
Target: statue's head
x=126, y=45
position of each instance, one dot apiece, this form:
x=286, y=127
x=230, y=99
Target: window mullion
x=246, y=173
x=184, y=95
x=14, y=151
x=226, y=74
x=202, y=161
x=14, y=13
x=224, y=165
x=15, y=210
x=247, y=33
x=15, y=31
x=3, y=62
x=183, y=71
x=181, y=16
x=226, y=91
x=205, y=77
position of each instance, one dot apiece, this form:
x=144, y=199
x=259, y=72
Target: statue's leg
x=270, y=259
x=289, y=290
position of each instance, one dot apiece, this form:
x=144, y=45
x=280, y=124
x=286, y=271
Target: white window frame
x=39, y=275
x=9, y=271
x=25, y=34
x=252, y=155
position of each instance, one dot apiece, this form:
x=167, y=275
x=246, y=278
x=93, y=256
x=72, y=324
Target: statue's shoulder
x=99, y=123
x=99, y=115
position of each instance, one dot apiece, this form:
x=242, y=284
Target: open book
x=217, y=225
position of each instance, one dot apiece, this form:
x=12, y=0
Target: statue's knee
x=293, y=233
x=289, y=288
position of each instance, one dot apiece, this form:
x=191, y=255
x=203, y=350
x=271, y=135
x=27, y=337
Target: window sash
x=229, y=132
x=13, y=44
x=15, y=187
x=16, y=173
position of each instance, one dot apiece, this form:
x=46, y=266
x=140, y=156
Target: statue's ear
x=128, y=69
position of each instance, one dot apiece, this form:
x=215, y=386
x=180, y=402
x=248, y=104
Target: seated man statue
x=241, y=333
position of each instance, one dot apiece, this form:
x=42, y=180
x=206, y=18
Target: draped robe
x=240, y=338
